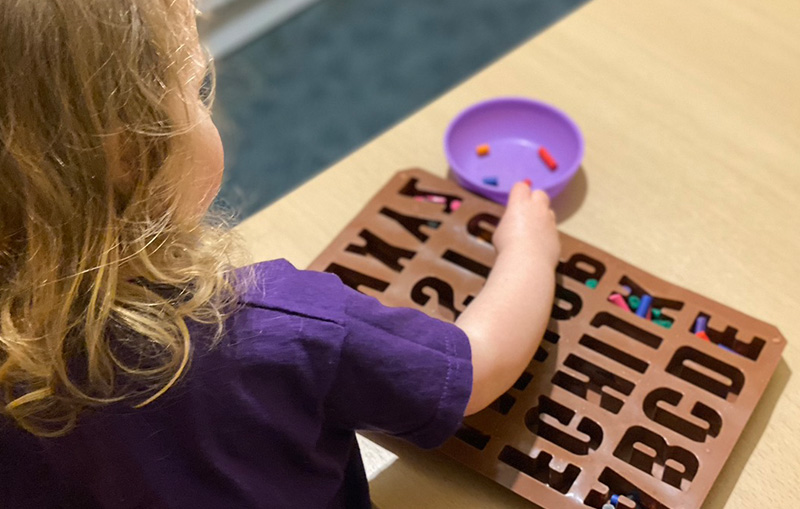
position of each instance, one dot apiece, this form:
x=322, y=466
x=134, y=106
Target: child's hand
x=528, y=228
x=507, y=320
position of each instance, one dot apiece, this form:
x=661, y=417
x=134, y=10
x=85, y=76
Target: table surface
x=691, y=117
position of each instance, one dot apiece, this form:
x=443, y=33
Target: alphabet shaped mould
x=613, y=403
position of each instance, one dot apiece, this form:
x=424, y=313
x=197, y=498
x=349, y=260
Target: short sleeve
x=401, y=372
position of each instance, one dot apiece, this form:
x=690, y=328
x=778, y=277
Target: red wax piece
x=702, y=335
x=528, y=182
x=547, y=158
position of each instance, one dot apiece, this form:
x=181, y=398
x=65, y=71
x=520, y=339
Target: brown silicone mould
x=611, y=404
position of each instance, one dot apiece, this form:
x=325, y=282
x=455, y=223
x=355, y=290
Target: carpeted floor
x=317, y=87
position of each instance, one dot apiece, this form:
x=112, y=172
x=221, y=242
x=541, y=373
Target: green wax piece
x=633, y=302
x=664, y=323
x=591, y=283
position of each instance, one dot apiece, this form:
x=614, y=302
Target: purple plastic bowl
x=514, y=128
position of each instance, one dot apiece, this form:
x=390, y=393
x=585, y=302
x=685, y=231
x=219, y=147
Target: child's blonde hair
x=98, y=274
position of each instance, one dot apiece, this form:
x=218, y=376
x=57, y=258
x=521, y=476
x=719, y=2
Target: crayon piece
x=663, y=323
x=591, y=283
x=619, y=300
x=528, y=182
x=700, y=324
x=436, y=199
x=702, y=335
x=644, y=305
x=608, y=506
x=482, y=150
x=547, y=158
x=455, y=205
x=614, y=500
x=656, y=313
x=725, y=348
x=626, y=289
x=490, y=181
x=634, y=301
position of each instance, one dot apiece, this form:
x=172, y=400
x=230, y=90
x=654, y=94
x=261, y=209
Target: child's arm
x=506, y=321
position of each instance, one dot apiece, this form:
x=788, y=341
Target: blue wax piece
x=614, y=500
x=726, y=348
x=700, y=324
x=490, y=181
x=644, y=305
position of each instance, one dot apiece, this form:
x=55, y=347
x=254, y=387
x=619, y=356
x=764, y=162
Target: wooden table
x=691, y=114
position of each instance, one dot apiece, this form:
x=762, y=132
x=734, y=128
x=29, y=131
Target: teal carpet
x=314, y=89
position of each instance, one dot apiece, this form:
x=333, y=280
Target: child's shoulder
x=278, y=285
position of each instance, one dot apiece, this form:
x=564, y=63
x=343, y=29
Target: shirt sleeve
x=401, y=372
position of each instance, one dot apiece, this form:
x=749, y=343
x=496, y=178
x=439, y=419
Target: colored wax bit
x=528, y=182
x=436, y=199
x=725, y=348
x=455, y=205
x=614, y=500
x=656, y=313
x=702, y=335
x=608, y=506
x=634, y=301
x=547, y=158
x=490, y=181
x=591, y=283
x=644, y=305
x=619, y=300
x=626, y=289
x=664, y=323
x=482, y=150
x=700, y=324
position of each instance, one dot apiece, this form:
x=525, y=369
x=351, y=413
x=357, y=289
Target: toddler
x=138, y=369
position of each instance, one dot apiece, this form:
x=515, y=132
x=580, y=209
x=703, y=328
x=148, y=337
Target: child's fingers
x=519, y=192
x=540, y=197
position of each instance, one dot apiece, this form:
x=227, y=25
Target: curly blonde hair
x=99, y=272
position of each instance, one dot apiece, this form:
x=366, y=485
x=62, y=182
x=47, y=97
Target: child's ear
x=124, y=165
x=119, y=165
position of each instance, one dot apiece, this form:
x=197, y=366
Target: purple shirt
x=266, y=418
